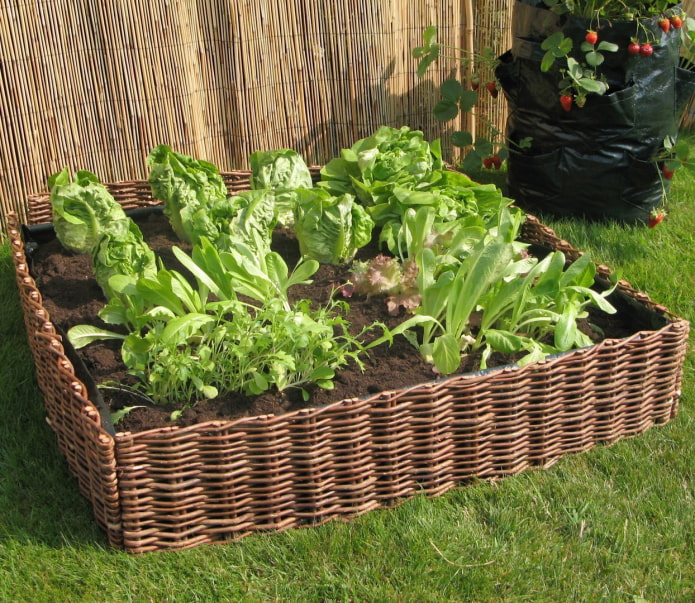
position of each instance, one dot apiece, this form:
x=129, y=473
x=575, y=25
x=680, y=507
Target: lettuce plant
x=83, y=209
x=283, y=171
x=119, y=253
x=188, y=188
x=188, y=342
x=373, y=166
x=518, y=301
x=330, y=228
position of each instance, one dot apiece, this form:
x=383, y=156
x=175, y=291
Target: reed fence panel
x=95, y=85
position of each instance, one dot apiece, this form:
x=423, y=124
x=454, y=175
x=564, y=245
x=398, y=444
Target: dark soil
x=72, y=296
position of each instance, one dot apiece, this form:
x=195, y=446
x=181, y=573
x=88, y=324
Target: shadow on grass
x=39, y=499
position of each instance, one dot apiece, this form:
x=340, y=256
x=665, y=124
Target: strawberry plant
x=461, y=96
x=623, y=74
x=582, y=77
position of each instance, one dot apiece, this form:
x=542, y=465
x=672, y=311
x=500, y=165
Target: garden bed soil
x=72, y=296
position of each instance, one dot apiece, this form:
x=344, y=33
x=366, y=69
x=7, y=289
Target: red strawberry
x=665, y=24
x=676, y=22
x=566, y=101
x=496, y=161
x=591, y=37
x=655, y=218
x=487, y=163
x=492, y=89
x=668, y=174
x=646, y=50
x=634, y=48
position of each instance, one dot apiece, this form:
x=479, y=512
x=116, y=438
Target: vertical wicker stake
x=469, y=46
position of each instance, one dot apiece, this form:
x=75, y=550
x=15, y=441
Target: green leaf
x=566, y=328
x=461, y=139
x=277, y=269
x=472, y=162
x=206, y=266
x=469, y=99
x=482, y=268
x=574, y=69
x=427, y=60
x=592, y=86
x=209, y=392
x=445, y=110
x=564, y=47
x=598, y=299
x=581, y=272
x=159, y=292
x=430, y=35
x=547, y=61
x=594, y=58
x=451, y=89
x=504, y=341
x=484, y=147
x=322, y=373
x=118, y=415
x=446, y=354
x=302, y=273
x=82, y=335
x=682, y=150
x=553, y=41
x=608, y=46
x=181, y=328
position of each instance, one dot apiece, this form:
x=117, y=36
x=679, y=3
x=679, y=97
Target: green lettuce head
x=187, y=187
x=330, y=229
x=83, y=209
x=124, y=253
x=373, y=166
x=283, y=172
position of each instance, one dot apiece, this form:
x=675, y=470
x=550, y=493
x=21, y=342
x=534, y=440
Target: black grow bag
x=598, y=160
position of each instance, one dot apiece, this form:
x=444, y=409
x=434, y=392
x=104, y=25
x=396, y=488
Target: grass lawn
x=613, y=524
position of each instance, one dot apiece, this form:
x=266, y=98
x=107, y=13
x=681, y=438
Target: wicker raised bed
x=178, y=487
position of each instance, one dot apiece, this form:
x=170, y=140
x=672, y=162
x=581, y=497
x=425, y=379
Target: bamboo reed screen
x=95, y=85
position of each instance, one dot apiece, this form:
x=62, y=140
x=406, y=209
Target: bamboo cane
x=469, y=45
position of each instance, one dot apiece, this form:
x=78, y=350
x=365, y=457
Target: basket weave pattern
x=174, y=488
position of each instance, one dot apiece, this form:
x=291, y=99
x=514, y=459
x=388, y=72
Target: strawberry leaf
x=461, y=139
x=469, y=98
x=451, y=89
x=594, y=58
x=445, y=110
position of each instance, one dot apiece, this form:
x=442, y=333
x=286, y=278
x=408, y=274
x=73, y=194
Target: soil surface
x=72, y=296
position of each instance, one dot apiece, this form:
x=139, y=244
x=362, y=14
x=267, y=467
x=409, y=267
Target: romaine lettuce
x=187, y=187
x=82, y=210
x=282, y=171
x=122, y=253
x=255, y=220
x=330, y=229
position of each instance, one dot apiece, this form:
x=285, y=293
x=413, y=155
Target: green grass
x=613, y=524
